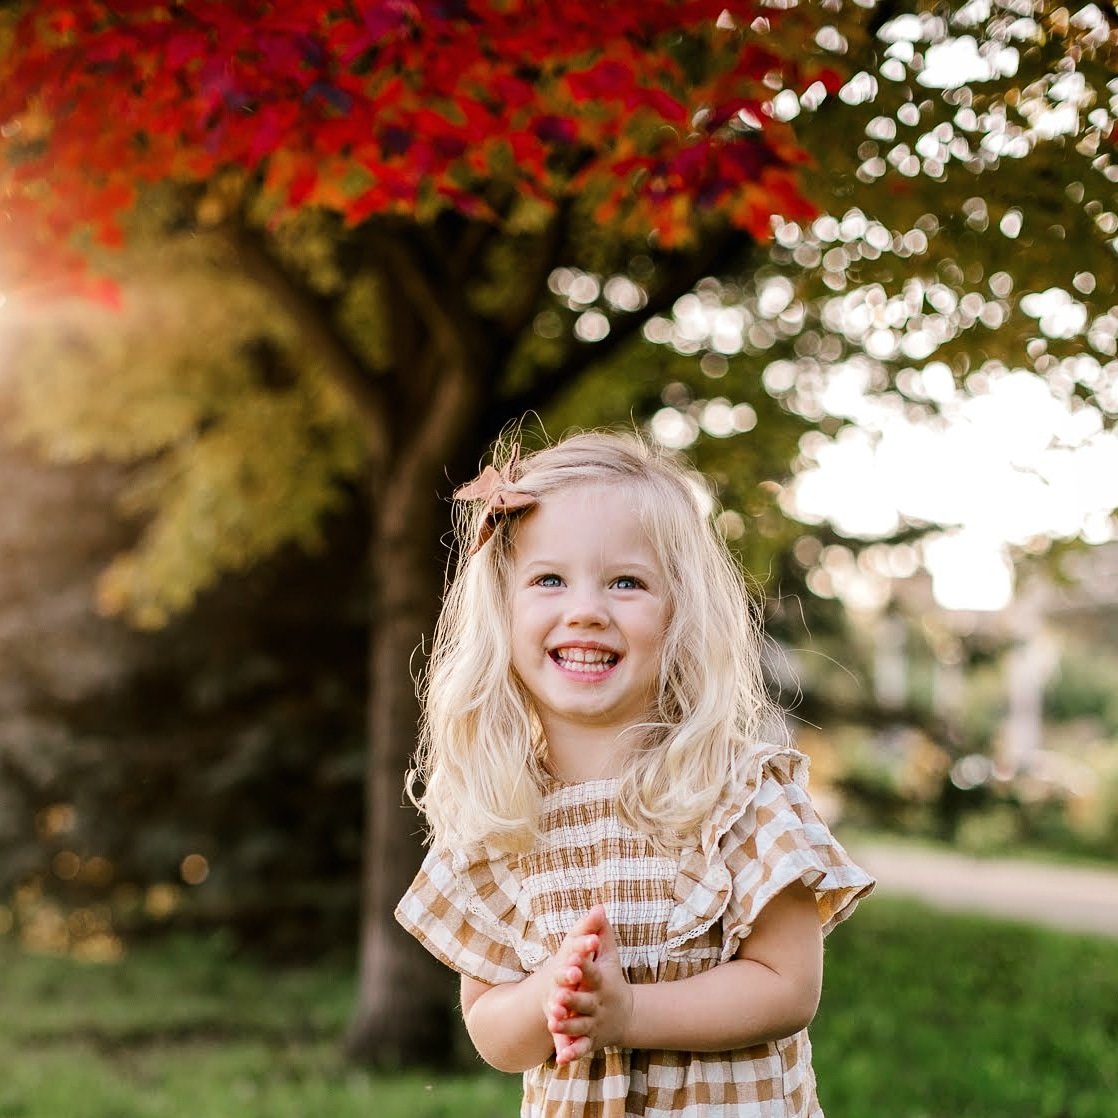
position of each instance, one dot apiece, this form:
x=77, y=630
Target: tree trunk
x=405, y=1014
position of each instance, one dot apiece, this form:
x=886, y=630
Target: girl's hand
x=568, y=980
x=595, y=1010
x=578, y=948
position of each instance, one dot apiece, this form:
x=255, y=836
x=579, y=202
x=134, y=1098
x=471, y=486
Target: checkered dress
x=497, y=917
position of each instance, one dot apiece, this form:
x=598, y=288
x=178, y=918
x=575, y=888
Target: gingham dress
x=498, y=917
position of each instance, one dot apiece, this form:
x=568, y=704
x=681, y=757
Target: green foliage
x=1083, y=687
x=236, y=734
x=240, y=443
x=947, y=165
x=916, y=182
x=924, y=1015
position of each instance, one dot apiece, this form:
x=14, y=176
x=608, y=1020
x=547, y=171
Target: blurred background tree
x=347, y=245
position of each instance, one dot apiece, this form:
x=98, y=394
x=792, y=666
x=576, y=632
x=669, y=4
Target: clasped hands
x=588, y=1003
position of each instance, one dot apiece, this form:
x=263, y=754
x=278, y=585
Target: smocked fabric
x=497, y=917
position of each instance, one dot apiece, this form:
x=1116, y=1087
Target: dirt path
x=1074, y=898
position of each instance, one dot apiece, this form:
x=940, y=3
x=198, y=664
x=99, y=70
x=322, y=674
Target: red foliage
x=389, y=106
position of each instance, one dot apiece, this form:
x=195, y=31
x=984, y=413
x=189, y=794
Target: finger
x=589, y=946
x=589, y=922
x=555, y=1010
x=575, y=1050
x=562, y=1047
x=575, y=950
x=591, y=975
x=567, y=978
x=557, y=1005
x=570, y=1026
x=595, y=920
x=604, y=931
x=561, y=1039
x=573, y=975
x=581, y=1004
x=579, y=954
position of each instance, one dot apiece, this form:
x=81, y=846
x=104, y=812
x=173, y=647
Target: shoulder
x=765, y=775
x=466, y=908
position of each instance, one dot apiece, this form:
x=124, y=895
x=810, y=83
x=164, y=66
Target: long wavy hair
x=480, y=769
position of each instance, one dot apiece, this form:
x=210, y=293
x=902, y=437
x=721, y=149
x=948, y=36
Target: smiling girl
x=632, y=884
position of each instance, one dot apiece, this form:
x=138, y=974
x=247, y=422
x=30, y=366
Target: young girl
x=632, y=886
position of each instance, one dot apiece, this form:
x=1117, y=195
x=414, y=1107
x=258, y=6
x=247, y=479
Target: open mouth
x=590, y=661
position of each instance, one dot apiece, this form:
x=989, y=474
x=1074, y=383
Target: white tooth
x=585, y=667
x=586, y=659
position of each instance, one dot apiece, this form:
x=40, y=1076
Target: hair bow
x=497, y=488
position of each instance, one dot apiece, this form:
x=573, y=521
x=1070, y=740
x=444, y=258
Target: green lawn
x=924, y=1016
x=930, y=1016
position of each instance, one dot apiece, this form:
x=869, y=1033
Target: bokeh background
x=272, y=278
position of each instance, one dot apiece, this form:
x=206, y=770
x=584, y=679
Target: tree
x=430, y=138
x=404, y=183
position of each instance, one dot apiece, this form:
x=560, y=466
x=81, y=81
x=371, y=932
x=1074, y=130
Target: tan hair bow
x=497, y=488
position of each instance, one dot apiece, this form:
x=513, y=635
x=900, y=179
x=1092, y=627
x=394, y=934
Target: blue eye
x=549, y=581
x=627, y=582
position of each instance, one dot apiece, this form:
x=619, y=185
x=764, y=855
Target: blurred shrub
x=1084, y=687
x=209, y=774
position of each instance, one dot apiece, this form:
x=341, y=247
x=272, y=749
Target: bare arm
x=508, y=1023
x=770, y=990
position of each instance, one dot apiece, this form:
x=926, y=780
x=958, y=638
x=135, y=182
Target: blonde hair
x=481, y=757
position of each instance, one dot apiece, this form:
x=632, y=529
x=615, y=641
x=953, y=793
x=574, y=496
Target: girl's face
x=589, y=612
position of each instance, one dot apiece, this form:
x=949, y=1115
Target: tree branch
x=448, y=412
x=476, y=236
x=311, y=315
x=426, y=287
x=470, y=246
x=712, y=258
x=516, y=319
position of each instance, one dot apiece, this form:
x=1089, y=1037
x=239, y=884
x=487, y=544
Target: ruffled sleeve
x=466, y=911
x=778, y=839
x=765, y=836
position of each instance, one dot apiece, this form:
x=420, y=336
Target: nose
x=586, y=608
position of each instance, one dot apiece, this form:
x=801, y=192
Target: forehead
x=582, y=521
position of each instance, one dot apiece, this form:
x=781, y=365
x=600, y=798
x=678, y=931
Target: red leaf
x=606, y=79
x=552, y=129
x=104, y=291
x=401, y=106
x=185, y=48
x=663, y=104
x=110, y=235
x=832, y=80
x=63, y=21
x=267, y=135
x=301, y=186
x=513, y=91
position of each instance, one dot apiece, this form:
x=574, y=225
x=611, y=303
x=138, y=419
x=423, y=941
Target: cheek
x=528, y=635
x=656, y=628
x=523, y=619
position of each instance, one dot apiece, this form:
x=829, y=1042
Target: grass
x=930, y=1016
x=183, y=1030
x=924, y=1016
